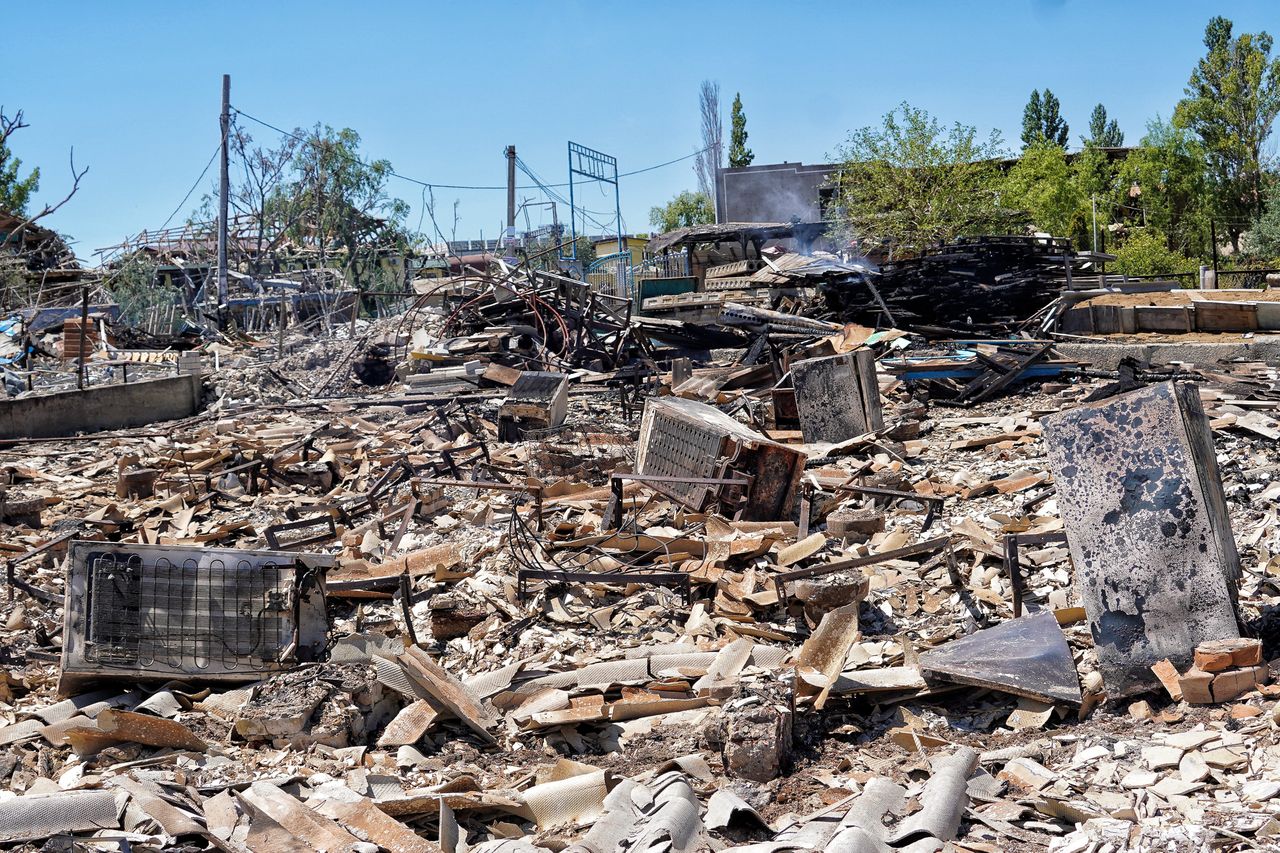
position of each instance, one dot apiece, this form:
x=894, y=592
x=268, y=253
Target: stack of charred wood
x=975, y=285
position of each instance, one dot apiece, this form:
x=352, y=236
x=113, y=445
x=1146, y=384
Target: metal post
x=573, y=219
x=280, y=341
x=617, y=204
x=1093, y=200
x=223, y=191
x=84, y=321
x=511, y=193
x=1213, y=238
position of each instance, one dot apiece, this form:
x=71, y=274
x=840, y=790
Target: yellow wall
x=634, y=245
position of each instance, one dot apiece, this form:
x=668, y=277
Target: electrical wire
x=435, y=185
x=183, y=203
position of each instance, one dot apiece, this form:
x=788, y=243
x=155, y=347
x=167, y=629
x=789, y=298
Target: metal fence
x=611, y=274
x=1245, y=279
x=672, y=265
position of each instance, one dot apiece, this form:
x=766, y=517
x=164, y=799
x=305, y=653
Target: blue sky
x=441, y=88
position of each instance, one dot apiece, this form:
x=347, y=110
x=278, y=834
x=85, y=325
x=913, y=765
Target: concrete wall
x=1105, y=356
x=775, y=193
x=106, y=407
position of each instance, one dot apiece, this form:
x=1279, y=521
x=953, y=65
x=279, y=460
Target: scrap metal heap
x=573, y=582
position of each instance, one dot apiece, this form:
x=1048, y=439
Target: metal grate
x=225, y=615
x=678, y=448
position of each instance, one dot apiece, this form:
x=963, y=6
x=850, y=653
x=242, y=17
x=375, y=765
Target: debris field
x=515, y=570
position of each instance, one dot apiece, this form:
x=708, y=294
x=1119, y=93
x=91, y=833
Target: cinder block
x=848, y=522
x=1147, y=524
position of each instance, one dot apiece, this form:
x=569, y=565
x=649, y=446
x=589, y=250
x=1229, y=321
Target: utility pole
x=223, y=190
x=511, y=194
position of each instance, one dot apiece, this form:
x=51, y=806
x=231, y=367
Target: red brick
x=1195, y=685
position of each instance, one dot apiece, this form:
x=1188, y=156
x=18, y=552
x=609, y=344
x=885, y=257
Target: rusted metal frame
x=657, y=481
x=361, y=585
x=30, y=589
x=933, y=503
x=781, y=579
x=680, y=579
x=806, y=504
x=44, y=546
x=254, y=468
x=535, y=491
x=979, y=390
x=1013, y=566
x=337, y=510
x=1037, y=498
x=450, y=454
x=389, y=480
x=406, y=606
x=272, y=533
x=405, y=514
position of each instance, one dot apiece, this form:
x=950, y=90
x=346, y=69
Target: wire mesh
x=188, y=615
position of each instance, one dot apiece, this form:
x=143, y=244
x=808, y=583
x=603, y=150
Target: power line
x=572, y=208
x=183, y=203
x=435, y=185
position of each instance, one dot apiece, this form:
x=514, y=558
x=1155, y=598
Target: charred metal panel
x=1147, y=525
x=162, y=612
x=1026, y=657
x=837, y=396
x=684, y=438
x=537, y=400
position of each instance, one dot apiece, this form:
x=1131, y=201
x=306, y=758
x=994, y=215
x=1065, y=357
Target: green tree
x=688, y=208
x=1103, y=133
x=739, y=153
x=911, y=184
x=135, y=288
x=15, y=191
x=1168, y=183
x=1263, y=239
x=1041, y=183
x=1231, y=102
x=257, y=176
x=1042, y=120
x=338, y=202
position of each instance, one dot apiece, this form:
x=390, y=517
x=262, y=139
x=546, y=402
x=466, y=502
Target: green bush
x=1145, y=252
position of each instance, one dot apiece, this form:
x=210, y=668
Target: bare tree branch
x=51, y=208
x=712, y=138
x=10, y=126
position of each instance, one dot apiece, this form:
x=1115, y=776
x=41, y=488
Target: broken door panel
x=1147, y=525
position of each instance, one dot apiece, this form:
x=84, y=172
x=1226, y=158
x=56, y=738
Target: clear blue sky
x=441, y=88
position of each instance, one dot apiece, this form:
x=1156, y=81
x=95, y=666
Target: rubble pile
x=506, y=572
